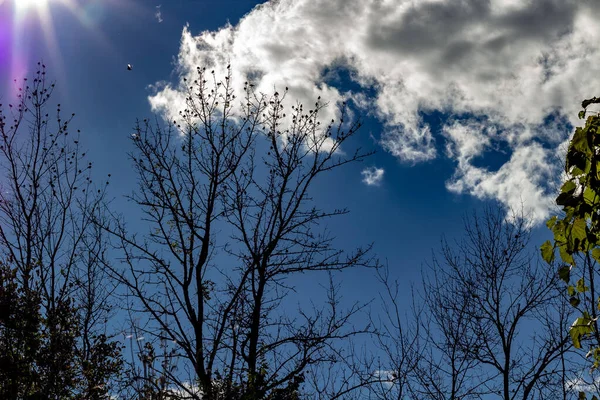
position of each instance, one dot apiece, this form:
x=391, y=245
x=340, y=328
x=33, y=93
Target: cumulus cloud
x=372, y=176
x=514, y=62
x=519, y=183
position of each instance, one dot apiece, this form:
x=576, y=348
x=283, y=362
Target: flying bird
x=129, y=67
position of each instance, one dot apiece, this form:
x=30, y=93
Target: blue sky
x=451, y=130
x=87, y=45
x=464, y=102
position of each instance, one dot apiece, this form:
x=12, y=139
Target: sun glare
x=34, y=18
x=24, y=5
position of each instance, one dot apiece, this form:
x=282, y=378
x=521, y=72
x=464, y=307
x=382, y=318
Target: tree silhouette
x=471, y=335
x=52, y=288
x=225, y=190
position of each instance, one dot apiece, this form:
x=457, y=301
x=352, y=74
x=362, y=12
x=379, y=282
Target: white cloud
x=583, y=383
x=518, y=184
x=158, y=14
x=514, y=62
x=387, y=377
x=188, y=391
x=372, y=176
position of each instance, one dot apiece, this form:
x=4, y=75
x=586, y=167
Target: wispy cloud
x=158, y=14
x=511, y=63
x=372, y=176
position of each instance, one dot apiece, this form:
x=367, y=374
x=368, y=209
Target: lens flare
x=24, y=5
x=27, y=14
x=19, y=18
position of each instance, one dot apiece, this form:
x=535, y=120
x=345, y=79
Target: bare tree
x=225, y=192
x=489, y=322
x=399, y=340
x=448, y=368
x=50, y=249
x=496, y=291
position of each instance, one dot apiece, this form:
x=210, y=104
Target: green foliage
x=548, y=252
x=40, y=348
x=20, y=337
x=577, y=233
x=103, y=364
x=52, y=294
x=581, y=327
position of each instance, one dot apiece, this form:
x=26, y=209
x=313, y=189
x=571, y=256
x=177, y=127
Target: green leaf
x=565, y=256
x=581, y=114
x=571, y=290
x=559, y=232
x=579, y=230
x=578, y=160
x=565, y=199
x=547, y=251
x=550, y=223
x=568, y=187
x=581, y=327
x=564, y=273
x=579, y=141
x=574, y=301
x=581, y=288
x=576, y=172
x=590, y=196
x=588, y=166
x=596, y=253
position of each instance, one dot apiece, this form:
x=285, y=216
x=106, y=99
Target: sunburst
x=30, y=4
x=27, y=14
x=34, y=12
x=23, y=5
